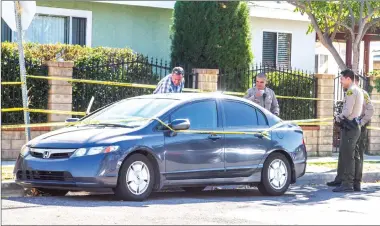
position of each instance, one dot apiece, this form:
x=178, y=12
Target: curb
x=323, y=178
x=11, y=189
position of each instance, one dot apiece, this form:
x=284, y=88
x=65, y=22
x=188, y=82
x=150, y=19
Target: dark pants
x=359, y=155
x=347, y=156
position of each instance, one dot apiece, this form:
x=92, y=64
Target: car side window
x=238, y=114
x=261, y=118
x=202, y=115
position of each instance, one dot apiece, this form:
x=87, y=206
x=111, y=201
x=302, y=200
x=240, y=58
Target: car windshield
x=130, y=113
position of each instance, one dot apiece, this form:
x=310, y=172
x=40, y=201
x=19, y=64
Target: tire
x=140, y=187
x=48, y=191
x=193, y=189
x=266, y=187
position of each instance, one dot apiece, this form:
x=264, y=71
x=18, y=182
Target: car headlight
x=94, y=150
x=24, y=150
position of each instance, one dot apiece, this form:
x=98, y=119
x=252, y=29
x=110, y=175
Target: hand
x=258, y=93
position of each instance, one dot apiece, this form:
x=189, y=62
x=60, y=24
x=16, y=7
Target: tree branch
x=368, y=26
x=326, y=26
x=341, y=24
x=352, y=16
x=369, y=9
x=361, y=13
x=336, y=24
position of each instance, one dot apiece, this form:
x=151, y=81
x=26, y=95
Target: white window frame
x=277, y=31
x=50, y=11
x=319, y=62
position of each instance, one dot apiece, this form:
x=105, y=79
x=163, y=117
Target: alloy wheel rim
x=138, y=178
x=277, y=174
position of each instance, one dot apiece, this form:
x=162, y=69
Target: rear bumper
x=299, y=169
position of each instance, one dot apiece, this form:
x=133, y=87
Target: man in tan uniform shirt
x=350, y=132
x=365, y=117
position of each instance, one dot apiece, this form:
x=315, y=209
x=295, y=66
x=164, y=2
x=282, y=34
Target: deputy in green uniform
x=365, y=117
x=350, y=133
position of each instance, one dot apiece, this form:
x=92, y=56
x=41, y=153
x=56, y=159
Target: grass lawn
x=368, y=166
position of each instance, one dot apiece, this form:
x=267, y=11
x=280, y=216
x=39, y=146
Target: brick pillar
x=374, y=135
x=60, y=92
x=207, y=79
x=325, y=109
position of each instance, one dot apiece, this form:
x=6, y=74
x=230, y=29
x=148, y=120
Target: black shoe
x=343, y=188
x=333, y=183
x=357, y=187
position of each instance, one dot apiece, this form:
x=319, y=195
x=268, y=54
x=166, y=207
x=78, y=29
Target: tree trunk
x=327, y=42
x=355, y=57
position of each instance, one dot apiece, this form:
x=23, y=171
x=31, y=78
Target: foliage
x=338, y=13
x=376, y=73
x=11, y=96
x=211, y=34
x=355, y=18
x=107, y=64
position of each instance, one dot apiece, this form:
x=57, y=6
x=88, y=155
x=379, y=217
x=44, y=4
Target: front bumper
x=96, y=171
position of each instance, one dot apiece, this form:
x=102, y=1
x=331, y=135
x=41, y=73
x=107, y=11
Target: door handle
x=259, y=135
x=214, y=137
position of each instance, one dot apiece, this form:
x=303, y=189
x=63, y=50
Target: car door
x=195, y=155
x=243, y=153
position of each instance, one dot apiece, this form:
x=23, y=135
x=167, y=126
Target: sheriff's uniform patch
x=349, y=92
x=366, y=98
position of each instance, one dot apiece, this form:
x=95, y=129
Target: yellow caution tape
x=11, y=83
x=136, y=85
x=94, y=122
x=154, y=86
x=43, y=111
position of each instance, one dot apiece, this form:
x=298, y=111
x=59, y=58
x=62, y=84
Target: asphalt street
x=300, y=205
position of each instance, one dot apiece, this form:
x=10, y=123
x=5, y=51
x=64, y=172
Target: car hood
x=83, y=136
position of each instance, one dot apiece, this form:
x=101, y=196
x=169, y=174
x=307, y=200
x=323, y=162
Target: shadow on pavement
x=297, y=195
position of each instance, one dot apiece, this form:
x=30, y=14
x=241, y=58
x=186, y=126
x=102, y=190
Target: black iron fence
x=284, y=82
x=140, y=70
x=11, y=96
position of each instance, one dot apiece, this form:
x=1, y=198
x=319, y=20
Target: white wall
x=303, y=46
x=341, y=48
x=374, y=46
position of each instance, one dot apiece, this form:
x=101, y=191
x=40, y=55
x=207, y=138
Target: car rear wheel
x=47, y=191
x=276, y=175
x=136, y=179
x=193, y=189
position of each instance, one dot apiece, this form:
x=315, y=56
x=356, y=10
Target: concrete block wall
x=374, y=135
x=207, y=79
x=60, y=98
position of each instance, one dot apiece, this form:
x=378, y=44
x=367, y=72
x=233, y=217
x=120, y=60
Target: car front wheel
x=136, y=179
x=276, y=175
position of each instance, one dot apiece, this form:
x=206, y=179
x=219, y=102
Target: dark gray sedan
x=133, y=153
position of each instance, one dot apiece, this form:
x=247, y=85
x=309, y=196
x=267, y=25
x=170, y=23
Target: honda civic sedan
x=148, y=143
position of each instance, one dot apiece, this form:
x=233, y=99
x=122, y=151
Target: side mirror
x=72, y=119
x=180, y=124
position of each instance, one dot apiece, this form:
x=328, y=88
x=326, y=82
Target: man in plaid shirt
x=172, y=83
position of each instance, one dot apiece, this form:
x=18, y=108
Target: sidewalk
x=334, y=158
